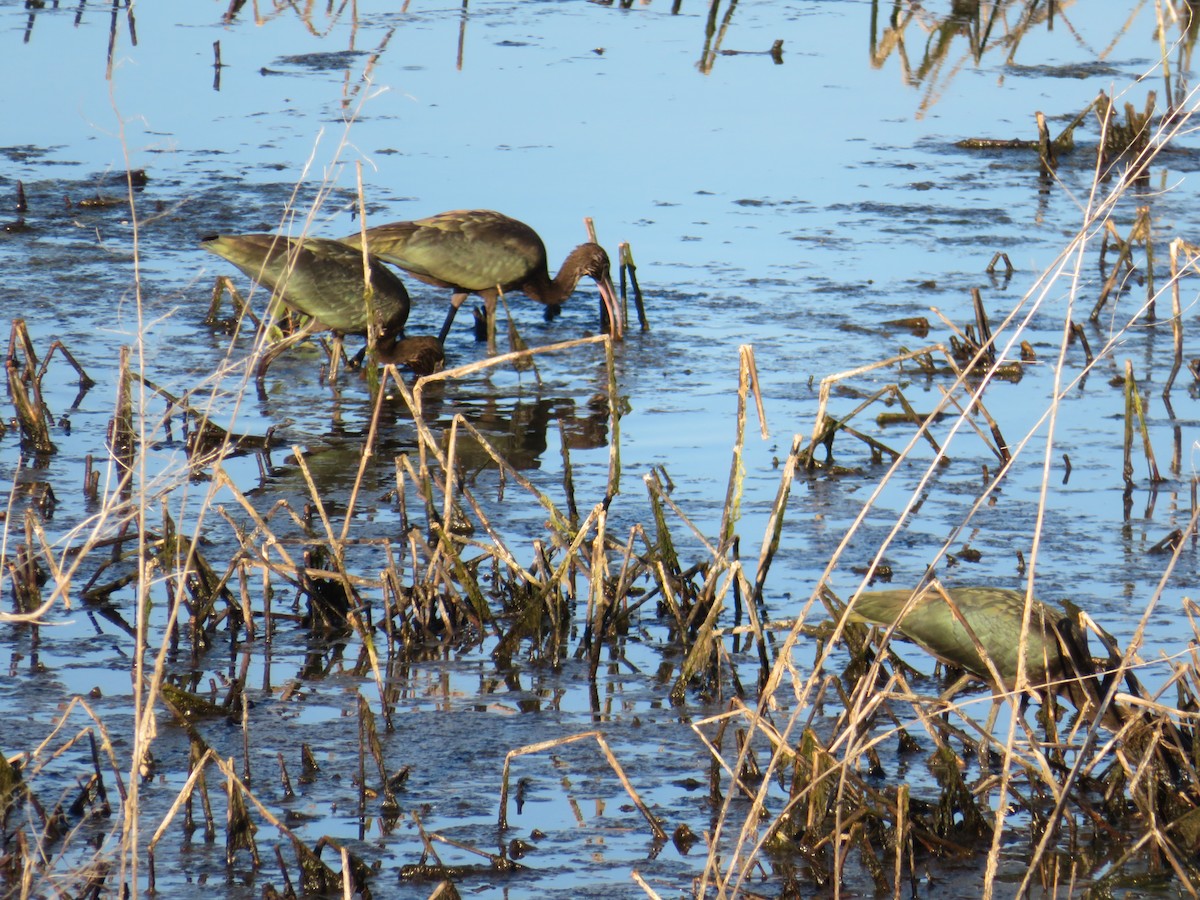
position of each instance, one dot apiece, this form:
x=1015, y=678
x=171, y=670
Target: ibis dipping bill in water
x=1056, y=654
x=323, y=279
x=478, y=251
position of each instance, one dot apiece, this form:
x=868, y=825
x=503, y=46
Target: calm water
x=798, y=206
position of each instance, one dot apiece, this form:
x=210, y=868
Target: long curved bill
x=612, y=306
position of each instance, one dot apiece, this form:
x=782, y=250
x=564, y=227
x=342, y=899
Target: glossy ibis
x=323, y=279
x=1056, y=653
x=478, y=251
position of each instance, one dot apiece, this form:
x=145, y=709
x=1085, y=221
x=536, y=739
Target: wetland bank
x=569, y=621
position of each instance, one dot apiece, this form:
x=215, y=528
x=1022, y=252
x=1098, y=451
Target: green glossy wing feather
x=994, y=615
x=320, y=278
x=470, y=250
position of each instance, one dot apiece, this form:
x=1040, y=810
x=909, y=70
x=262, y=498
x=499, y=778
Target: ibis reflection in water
x=323, y=279
x=478, y=251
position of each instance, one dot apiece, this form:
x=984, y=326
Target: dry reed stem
x=1074, y=250
x=1134, y=411
x=1177, y=244
x=558, y=522
x=468, y=369
x=499, y=862
x=984, y=437
x=655, y=827
x=107, y=744
x=85, y=382
x=641, y=882
x=654, y=488
x=627, y=265
x=222, y=479
x=702, y=646
x=368, y=449
x=731, y=509
x=180, y=798
x=116, y=513
x=614, y=411
x=430, y=444
x=497, y=547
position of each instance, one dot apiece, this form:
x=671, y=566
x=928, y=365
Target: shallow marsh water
x=798, y=207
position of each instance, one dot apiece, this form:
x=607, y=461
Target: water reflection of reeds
x=999, y=29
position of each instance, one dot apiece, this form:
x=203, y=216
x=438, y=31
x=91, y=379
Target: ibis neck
x=555, y=291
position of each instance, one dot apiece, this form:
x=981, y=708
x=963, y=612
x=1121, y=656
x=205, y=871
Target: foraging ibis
x=993, y=614
x=478, y=251
x=1057, y=659
x=323, y=279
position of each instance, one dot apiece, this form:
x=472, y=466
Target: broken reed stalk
x=703, y=652
x=19, y=342
x=1078, y=333
x=599, y=598
x=491, y=362
x=516, y=343
x=122, y=440
x=1046, y=157
x=614, y=412
x=628, y=265
x=337, y=549
x=85, y=382
x=498, y=862
x=1147, y=235
x=996, y=444
x=1140, y=231
x=772, y=537
x=449, y=472
x=184, y=794
x=568, y=475
x=368, y=448
x=983, y=327
x=730, y=511
x=33, y=416
x=373, y=324
x=1124, y=262
x=1134, y=410
x=369, y=741
x=1178, y=246
x=655, y=827
x=822, y=429
x=831, y=427
x=1176, y=320
x=241, y=309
